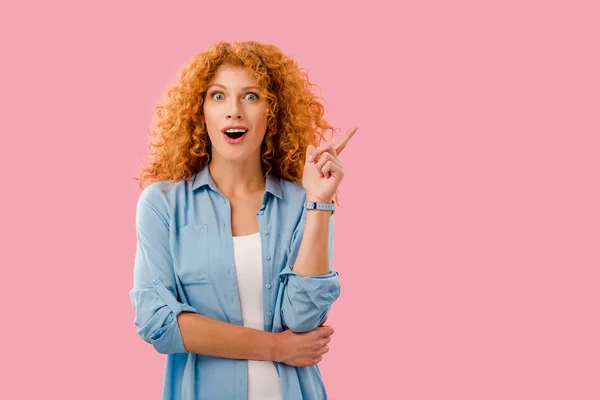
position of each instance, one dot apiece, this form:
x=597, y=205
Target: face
x=235, y=114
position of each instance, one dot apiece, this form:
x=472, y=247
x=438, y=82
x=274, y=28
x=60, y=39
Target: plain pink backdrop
x=468, y=245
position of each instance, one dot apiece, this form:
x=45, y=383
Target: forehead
x=233, y=77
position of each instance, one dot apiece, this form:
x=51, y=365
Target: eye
x=214, y=94
x=253, y=96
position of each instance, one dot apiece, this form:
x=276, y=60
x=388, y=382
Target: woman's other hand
x=303, y=349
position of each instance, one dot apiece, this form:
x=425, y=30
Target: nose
x=235, y=111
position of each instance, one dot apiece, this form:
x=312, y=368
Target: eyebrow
x=245, y=88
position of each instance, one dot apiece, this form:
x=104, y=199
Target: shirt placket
x=267, y=264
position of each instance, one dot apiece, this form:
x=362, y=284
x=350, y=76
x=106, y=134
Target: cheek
x=208, y=114
x=211, y=119
x=261, y=117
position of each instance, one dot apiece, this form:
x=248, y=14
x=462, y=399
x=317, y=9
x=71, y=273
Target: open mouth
x=235, y=133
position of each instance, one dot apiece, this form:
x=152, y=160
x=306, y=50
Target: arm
x=204, y=335
x=313, y=256
x=310, y=286
x=162, y=320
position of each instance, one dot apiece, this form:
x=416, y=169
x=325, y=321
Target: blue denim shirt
x=184, y=261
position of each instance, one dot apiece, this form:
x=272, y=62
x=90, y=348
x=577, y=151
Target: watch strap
x=315, y=205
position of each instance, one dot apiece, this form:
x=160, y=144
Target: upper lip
x=234, y=127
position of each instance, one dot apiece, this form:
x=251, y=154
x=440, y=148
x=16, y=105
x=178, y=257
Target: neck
x=237, y=179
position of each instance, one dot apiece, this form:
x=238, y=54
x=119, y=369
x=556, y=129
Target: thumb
x=310, y=149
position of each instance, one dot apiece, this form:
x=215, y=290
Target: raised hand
x=323, y=170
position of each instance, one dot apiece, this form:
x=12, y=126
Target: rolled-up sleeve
x=154, y=296
x=307, y=300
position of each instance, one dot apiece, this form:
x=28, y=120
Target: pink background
x=468, y=245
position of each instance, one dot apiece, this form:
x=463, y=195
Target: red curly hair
x=294, y=118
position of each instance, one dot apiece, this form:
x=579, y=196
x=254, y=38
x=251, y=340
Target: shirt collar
x=203, y=178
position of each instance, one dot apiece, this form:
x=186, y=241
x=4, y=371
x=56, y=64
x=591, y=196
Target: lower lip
x=235, y=141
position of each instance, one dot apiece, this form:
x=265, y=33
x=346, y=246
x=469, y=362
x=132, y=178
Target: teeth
x=235, y=130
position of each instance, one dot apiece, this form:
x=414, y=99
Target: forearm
x=309, y=284
x=208, y=336
x=313, y=256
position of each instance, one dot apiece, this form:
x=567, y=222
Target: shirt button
x=265, y=232
x=268, y=285
x=155, y=281
x=261, y=212
x=269, y=313
x=268, y=257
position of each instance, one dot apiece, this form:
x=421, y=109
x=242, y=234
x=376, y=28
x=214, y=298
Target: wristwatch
x=314, y=205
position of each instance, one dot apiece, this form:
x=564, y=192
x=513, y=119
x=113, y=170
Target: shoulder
x=160, y=195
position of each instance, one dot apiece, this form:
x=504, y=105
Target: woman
x=232, y=276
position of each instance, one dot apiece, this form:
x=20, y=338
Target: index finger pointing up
x=345, y=140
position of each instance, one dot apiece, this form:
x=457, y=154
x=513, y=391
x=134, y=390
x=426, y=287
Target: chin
x=240, y=155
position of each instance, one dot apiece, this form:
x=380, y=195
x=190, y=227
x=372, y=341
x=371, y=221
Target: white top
x=263, y=380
